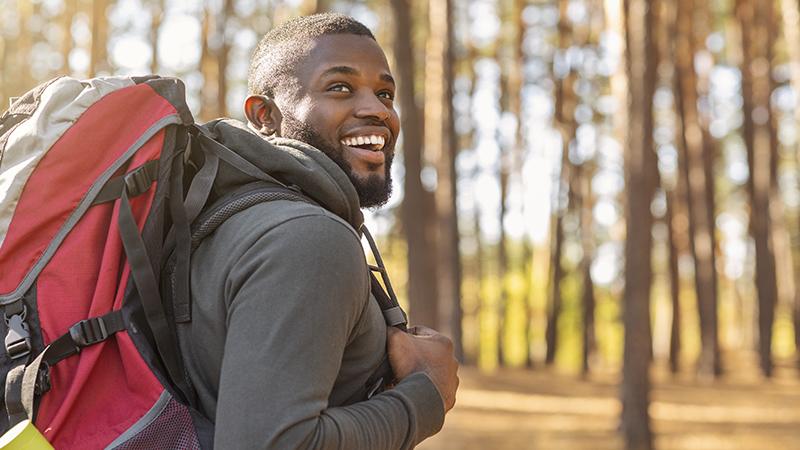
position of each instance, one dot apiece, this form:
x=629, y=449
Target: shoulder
x=297, y=224
x=292, y=238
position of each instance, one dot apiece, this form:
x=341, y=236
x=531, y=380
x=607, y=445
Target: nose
x=371, y=107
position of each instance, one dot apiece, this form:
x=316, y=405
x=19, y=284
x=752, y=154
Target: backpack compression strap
x=24, y=382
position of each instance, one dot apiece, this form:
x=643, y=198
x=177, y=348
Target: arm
x=294, y=297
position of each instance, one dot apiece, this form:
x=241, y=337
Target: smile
x=369, y=142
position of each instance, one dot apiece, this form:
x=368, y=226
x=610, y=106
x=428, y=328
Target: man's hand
x=425, y=350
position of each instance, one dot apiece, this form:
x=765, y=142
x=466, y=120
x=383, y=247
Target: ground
x=544, y=409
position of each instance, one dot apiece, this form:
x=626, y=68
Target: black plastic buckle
x=138, y=181
x=88, y=332
x=18, y=338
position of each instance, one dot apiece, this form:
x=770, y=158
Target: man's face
x=344, y=107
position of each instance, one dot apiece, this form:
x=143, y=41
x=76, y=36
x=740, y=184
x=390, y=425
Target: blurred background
x=599, y=200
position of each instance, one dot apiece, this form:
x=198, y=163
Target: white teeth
x=362, y=140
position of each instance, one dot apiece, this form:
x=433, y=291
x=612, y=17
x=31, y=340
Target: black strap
x=183, y=240
x=147, y=286
x=135, y=182
x=24, y=382
x=83, y=334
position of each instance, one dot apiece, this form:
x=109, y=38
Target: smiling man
x=286, y=337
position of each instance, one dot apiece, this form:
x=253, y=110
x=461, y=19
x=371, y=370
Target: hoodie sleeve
x=293, y=299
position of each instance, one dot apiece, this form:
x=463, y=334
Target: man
x=285, y=332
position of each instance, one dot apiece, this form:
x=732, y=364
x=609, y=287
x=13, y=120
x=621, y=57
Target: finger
x=422, y=330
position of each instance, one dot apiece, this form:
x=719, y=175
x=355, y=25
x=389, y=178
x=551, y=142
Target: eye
x=339, y=87
x=389, y=95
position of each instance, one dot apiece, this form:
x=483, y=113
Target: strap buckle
x=139, y=180
x=18, y=337
x=88, y=332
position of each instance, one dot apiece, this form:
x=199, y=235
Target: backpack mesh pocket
x=168, y=425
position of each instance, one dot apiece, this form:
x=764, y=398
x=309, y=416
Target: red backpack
x=105, y=190
x=84, y=214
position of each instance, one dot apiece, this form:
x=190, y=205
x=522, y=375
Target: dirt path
x=516, y=409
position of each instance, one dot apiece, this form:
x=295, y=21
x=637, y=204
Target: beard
x=373, y=191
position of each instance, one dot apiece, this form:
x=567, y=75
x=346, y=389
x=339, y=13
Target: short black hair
x=282, y=48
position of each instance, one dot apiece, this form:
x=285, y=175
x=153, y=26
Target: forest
x=599, y=198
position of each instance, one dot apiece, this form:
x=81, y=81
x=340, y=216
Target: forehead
x=359, y=52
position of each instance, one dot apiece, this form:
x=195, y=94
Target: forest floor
x=544, y=410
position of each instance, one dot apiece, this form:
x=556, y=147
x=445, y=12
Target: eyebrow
x=347, y=70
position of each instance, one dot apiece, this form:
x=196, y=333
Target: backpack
x=104, y=193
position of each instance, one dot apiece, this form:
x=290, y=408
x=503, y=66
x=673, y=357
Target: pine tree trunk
x=674, y=287
x=440, y=137
x=418, y=214
x=695, y=167
x=640, y=160
x=790, y=12
x=585, y=209
x=156, y=13
x=564, y=115
x=755, y=93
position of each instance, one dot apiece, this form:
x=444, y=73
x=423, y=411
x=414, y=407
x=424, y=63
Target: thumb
x=422, y=330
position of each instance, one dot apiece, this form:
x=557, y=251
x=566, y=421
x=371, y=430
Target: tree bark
x=156, y=13
x=694, y=161
x=755, y=93
x=640, y=160
x=440, y=137
x=564, y=116
x=790, y=13
x=585, y=208
x=417, y=211
x=674, y=286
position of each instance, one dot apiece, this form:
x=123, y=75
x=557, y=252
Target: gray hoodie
x=284, y=327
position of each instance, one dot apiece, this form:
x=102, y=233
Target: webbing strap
x=13, y=395
x=83, y=334
x=183, y=240
x=145, y=280
x=201, y=186
x=394, y=316
x=135, y=182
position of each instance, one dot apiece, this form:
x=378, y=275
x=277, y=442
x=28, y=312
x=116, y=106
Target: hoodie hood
x=292, y=163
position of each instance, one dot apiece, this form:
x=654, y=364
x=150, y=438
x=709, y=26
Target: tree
x=564, y=116
x=755, y=94
x=640, y=183
x=418, y=211
x=674, y=285
x=585, y=207
x=98, y=53
x=790, y=12
x=695, y=161
x=156, y=13
x=440, y=138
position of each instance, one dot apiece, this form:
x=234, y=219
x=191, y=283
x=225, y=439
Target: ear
x=263, y=114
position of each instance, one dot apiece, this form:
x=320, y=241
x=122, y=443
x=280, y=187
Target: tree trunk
x=156, y=14
x=98, y=54
x=640, y=160
x=674, y=286
x=585, y=209
x=564, y=115
x=221, y=24
x=755, y=93
x=695, y=168
x=440, y=137
x=790, y=12
x=418, y=213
